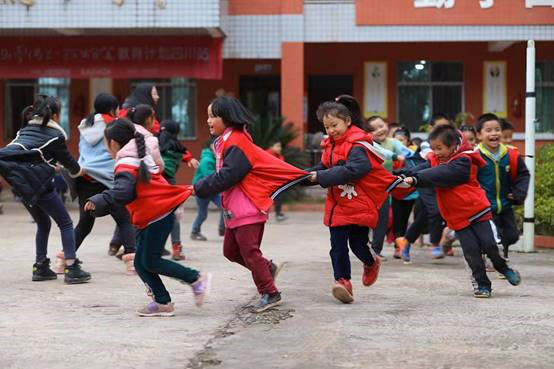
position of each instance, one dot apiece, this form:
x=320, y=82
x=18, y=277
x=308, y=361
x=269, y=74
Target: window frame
x=430, y=83
x=541, y=84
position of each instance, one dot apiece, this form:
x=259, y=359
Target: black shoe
x=281, y=217
x=42, y=271
x=197, y=236
x=113, y=249
x=166, y=252
x=73, y=274
x=267, y=301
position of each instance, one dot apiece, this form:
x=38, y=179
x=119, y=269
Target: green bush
x=544, y=192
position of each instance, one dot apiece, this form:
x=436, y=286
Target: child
x=151, y=201
x=507, y=132
x=392, y=150
x=173, y=152
x=246, y=176
x=469, y=134
x=463, y=203
x=504, y=178
x=99, y=165
x=144, y=94
x=205, y=168
x=357, y=187
x=276, y=149
x=28, y=164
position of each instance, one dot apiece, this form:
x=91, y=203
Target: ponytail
x=144, y=173
x=140, y=113
x=103, y=104
x=43, y=107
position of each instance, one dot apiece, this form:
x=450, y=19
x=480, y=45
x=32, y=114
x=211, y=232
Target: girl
x=147, y=94
x=392, y=150
x=351, y=168
x=469, y=134
x=247, y=176
x=463, y=203
x=173, y=152
x=99, y=165
x=28, y=163
x=151, y=201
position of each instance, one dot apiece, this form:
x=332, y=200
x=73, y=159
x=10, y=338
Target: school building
x=402, y=59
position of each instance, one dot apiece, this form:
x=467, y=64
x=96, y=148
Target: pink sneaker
x=59, y=264
x=201, y=288
x=129, y=260
x=155, y=309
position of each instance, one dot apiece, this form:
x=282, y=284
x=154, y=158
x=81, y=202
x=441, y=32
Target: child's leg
x=486, y=232
x=217, y=201
x=231, y=249
x=149, y=263
x=420, y=215
x=125, y=230
x=506, y=225
x=472, y=253
x=249, y=239
x=43, y=231
x=380, y=230
x=339, y=252
x=201, y=214
x=359, y=243
x=176, y=232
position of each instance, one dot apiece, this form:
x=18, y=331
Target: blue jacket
x=93, y=155
x=498, y=179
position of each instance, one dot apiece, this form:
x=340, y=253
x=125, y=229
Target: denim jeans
x=202, y=212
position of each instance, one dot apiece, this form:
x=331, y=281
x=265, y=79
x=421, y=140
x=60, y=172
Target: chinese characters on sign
x=484, y=4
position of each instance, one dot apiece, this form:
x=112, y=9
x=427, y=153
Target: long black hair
x=103, y=104
x=140, y=113
x=122, y=131
x=354, y=107
x=142, y=94
x=232, y=112
x=169, y=130
x=43, y=107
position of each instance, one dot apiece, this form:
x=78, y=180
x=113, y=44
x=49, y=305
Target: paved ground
x=417, y=316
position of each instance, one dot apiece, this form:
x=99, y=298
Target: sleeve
x=389, y=155
x=62, y=155
x=449, y=174
x=521, y=184
x=410, y=172
x=187, y=156
x=400, y=149
x=122, y=193
x=425, y=149
x=318, y=167
x=235, y=166
x=357, y=166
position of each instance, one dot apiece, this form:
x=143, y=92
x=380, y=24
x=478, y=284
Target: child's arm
x=357, y=166
x=63, y=156
x=235, y=167
x=521, y=183
x=449, y=174
x=387, y=154
x=122, y=193
x=400, y=149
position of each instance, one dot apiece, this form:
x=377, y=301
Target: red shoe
x=342, y=291
x=371, y=272
x=177, y=252
x=448, y=250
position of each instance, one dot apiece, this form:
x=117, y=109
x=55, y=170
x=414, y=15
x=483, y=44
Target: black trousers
x=426, y=212
x=507, y=229
x=480, y=238
x=124, y=233
x=380, y=231
x=401, y=210
x=358, y=238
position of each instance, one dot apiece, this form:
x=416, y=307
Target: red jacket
x=464, y=203
x=354, y=202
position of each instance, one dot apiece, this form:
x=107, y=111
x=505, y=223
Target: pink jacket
x=152, y=147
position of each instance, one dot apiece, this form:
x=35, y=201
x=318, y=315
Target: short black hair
x=403, y=131
x=232, y=112
x=485, y=118
x=333, y=109
x=448, y=135
x=505, y=125
x=352, y=104
x=467, y=128
x=437, y=116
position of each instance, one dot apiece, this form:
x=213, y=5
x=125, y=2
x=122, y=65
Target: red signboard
x=454, y=12
x=114, y=57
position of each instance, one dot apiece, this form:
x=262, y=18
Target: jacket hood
x=51, y=124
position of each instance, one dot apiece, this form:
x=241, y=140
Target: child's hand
x=193, y=163
x=510, y=196
x=89, y=206
x=400, y=158
x=313, y=177
x=409, y=181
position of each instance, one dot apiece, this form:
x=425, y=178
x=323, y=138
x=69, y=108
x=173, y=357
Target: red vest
x=268, y=174
x=343, y=206
x=466, y=203
x=154, y=199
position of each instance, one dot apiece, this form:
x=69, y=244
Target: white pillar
x=530, y=101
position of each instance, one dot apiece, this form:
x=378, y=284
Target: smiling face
x=506, y=137
x=215, y=124
x=490, y=135
x=470, y=137
x=441, y=150
x=154, y=94
x=379, y=129
x=336, y=127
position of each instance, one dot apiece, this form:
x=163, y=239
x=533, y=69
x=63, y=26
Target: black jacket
x=28, y=162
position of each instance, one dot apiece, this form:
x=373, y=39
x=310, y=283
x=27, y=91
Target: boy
x=507, y=132
x=504, y=178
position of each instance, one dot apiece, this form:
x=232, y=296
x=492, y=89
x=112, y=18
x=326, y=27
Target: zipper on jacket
x=497, y=175
x=332, y=194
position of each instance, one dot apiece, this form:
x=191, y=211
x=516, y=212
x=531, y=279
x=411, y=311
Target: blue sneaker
x=513, y=276
x=437, y=253
x=482, y=292
x=406, y=254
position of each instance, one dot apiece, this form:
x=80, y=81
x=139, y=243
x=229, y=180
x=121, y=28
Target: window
x=426, y=88
x=21, y=93
x=177, y=102
x=544, y=76
x=261, y=95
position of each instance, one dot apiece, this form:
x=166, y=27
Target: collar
x=502, y=150
x=51, y=124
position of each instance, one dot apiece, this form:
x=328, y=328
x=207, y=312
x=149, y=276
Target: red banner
x=454, y=12
x=113, y=57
